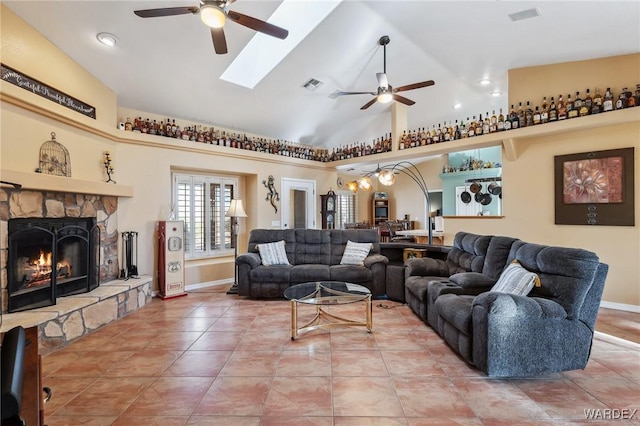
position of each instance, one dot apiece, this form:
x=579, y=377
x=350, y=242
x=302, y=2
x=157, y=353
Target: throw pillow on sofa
x=516, y=280
x=273, y=253
x=355, y=253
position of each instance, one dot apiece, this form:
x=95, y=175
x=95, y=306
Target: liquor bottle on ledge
x=622, y=99
x=544, y=112
x=562, y=108
x=513, y=118
x=528, y=115
x=577, y=104
x=586, y=105
x=553, y=112
x=571, y=112
x=521, y=116
x=607, y=104
x=596, y=105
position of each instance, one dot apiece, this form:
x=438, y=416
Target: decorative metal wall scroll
x=272, y=195
x=595, y=188
x=108, y=167
x=34, y=86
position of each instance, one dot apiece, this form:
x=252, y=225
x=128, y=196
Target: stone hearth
x=78, y=315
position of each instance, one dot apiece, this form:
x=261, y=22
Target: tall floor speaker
x=171, y=259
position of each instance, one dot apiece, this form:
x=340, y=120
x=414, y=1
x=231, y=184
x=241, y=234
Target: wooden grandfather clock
x=328, y=210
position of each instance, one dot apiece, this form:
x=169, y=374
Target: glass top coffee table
x=326, y=293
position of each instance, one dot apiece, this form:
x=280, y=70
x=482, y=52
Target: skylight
x=269, y=51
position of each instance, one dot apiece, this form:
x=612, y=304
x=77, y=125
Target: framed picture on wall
x=595, y=188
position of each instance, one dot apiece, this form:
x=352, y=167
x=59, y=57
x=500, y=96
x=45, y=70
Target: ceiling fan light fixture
x=385, y=97
x=353, y=186
x=212, y=16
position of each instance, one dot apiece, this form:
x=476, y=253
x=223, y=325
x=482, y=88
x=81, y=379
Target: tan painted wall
x=26, y=50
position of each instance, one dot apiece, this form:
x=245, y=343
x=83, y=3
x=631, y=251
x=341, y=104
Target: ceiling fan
x=213, y=14
x=385, y=92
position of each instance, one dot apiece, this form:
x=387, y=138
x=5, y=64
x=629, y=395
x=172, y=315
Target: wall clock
x=340, y=183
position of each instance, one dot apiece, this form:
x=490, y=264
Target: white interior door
x=466, y=209
x=298, y=199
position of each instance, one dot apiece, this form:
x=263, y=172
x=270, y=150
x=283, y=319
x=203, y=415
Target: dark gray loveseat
x=549, y=330
x=314, y=255
x=472, y=266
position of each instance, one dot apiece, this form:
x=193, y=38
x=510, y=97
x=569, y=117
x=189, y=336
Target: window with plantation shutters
x=201, y=201
x=347, y=211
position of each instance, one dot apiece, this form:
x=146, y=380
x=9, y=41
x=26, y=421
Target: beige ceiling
x=167, y=66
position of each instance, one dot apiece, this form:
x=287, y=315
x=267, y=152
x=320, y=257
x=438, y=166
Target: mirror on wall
x=472, y=183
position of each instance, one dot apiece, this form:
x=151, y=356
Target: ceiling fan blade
x=167, y=11
x=414, y=86
x=368, y=104
x=354, y=93
x=383, y=82
x=219, y=40
x=258, y=25
x=403, y=100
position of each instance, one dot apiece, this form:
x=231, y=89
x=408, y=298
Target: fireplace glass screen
x=51, y=258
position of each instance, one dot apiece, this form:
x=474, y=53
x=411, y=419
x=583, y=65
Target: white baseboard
x=620, y=307
x=616, y=340
x=201, y=285
x=197, y=286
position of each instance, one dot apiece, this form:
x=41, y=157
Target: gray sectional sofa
x=314, y=255
x=505, y=335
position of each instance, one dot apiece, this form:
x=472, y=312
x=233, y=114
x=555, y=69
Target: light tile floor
x=213, y=359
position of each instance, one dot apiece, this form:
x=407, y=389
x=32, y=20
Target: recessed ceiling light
x=107, y=39
x=496, y=93
x=525, y=14
x=457, y=106
x=485, y=82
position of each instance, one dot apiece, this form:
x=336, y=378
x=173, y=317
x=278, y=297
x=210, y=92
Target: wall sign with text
x=34, y=86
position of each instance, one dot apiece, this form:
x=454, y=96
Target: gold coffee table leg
x=294, y=319
x=369, y=314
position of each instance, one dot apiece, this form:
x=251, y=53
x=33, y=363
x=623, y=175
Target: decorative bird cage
x=54, y=158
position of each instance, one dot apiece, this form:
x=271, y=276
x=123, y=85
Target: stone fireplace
x=54, y=244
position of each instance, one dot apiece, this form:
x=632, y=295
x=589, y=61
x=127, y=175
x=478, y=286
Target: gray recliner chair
x=549, y=330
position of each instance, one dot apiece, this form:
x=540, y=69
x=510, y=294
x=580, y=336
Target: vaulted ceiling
x=167, y=66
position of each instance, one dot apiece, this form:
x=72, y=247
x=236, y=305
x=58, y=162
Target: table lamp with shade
x=236, y=210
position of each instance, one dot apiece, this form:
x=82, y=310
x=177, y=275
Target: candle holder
x=108, y=167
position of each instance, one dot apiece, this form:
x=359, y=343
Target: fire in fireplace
x=50, y=258
x=37, y=272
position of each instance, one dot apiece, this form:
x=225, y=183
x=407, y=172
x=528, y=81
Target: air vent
x=525, y=14
x=312, y=84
